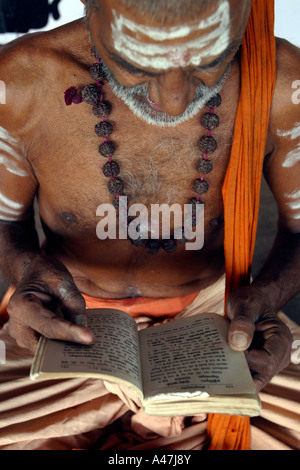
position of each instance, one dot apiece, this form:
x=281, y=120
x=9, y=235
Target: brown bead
x=194, y=220
x=102, y=109
x=215, y=101
x=194, y=201
x=111, y=169
x=115, y=186
x=152, y=246
x=200, y=186
x=170, y=246
x=204, y=166
x=106, y=149
x=97, y=72
x=208, y=144
x=91, y=94
x=116, y=201
x=103, y=129
x=210, y=121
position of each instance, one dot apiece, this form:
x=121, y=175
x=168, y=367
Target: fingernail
x=80, y=320
x=239, y=341
x=87, y=337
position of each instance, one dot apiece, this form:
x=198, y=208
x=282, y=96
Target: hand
x=256, y=329
x=47, y=302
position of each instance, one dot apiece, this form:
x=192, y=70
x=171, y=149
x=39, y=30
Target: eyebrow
x=132, y=69
x=219, y=60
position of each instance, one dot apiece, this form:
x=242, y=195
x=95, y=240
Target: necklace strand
x=93, y=95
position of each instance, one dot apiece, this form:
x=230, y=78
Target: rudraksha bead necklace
x=93, y=95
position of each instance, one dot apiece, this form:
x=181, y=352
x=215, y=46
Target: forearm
x=279, y=277
x=19, y=245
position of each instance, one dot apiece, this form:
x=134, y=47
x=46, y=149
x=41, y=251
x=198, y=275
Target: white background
x=287, y=16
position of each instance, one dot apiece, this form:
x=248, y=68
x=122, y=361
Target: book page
x=114, y=353
x=190, y=357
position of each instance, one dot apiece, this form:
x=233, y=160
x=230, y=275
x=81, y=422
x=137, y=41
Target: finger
x=73, y=305
x=262, y=367
x=46, y=322
x=270, y=350
x=25, y=337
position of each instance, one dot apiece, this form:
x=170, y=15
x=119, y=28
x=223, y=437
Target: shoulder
x=30, y=65
x=282, y=165
x=284, y=109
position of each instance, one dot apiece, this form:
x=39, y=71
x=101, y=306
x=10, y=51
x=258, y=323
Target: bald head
x=165, y=10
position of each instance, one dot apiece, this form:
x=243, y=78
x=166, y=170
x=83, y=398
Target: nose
x=172, y=91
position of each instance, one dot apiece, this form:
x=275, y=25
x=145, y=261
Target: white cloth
x=90, y=413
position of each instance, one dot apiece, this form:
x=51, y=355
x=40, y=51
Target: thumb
x=242, y=325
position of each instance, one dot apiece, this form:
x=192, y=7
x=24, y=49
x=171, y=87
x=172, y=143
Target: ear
x=83, y=1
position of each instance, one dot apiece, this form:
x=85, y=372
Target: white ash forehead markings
x=164, y=56
x=10, y=154
x=174, y=32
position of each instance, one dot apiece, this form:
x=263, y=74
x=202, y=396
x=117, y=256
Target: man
x=164, y=61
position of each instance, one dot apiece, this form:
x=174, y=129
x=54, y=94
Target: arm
x=46, y=300
x=253, y=310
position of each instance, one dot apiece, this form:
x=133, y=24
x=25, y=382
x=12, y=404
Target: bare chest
x=157, y=165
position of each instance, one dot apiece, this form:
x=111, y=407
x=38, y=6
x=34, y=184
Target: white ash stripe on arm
x=292, y=133
x=14, y=177
x=292, y=158
x=11, y=154
x=293, y=202
x=10, y=210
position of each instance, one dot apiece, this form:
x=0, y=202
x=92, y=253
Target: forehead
x=145, y=42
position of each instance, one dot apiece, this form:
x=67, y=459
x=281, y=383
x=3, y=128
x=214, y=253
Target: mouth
x=153, y=105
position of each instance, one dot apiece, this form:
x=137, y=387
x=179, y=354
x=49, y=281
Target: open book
x=183, y=367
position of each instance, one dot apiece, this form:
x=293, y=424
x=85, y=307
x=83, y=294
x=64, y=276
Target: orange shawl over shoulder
x=241, y=189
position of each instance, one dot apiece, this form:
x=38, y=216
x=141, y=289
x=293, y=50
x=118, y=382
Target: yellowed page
x=114, y=353
x=190, y=357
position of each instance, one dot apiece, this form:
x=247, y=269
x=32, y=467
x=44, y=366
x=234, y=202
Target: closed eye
x=233, y=47
x=130, y=68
